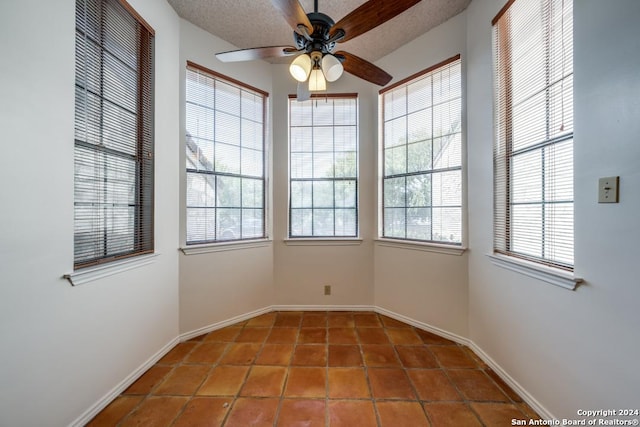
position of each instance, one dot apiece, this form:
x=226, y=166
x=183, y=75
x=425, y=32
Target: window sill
x=305, y=241
x=419, y=246
x=91, y=274
x=555, y=276
x=224, y=246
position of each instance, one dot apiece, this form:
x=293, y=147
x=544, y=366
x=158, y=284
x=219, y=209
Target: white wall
x=217, y=286
x=425, y=286
x=64, y=347
x=302, y=271
x=569, y=349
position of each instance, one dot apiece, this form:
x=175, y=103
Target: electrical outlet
x=608, y=189
x=327, y=289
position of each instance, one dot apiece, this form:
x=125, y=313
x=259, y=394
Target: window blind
x=422, y=156
x=533, y=154
x=323, y=166
x=225, y=158
x=113, y=196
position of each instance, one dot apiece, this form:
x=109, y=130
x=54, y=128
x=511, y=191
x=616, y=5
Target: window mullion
x=138, y=209
x=406, y=163
x=333, y=168
x=431, y=166
x=241, y=171
x=105, y=186
x=546, y=21
x=313, y=172
x=506, y=52
x=405, y=205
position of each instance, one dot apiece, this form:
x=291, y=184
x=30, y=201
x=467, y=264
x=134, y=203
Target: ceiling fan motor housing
x=319, y=37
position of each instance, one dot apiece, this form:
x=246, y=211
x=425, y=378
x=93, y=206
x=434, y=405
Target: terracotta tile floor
x=353, y=369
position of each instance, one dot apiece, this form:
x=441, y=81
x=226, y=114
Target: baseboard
x=522, y=392
x=224, y=323
x=122, y=386
x=424, y=326
x=322, y=308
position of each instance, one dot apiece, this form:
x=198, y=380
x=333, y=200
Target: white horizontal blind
x=422, y=152
x=323, y=167
x=113, y=197
x=225, y=158
x=533, y=154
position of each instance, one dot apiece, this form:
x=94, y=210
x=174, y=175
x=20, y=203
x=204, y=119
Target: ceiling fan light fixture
x=300, y=68
x=331, y=67
x=317, y=81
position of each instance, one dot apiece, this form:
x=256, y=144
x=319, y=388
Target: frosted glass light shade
x=300, y=67
x=317, y=81
x=332, y=67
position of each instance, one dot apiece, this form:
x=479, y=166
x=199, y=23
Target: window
x=533, y=154
x=113, y=199
x=422, y=156
x=225, y=158
x=323, y=166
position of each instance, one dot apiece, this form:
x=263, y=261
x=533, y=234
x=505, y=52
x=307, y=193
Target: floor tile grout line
x=150, y=393
x=466, y=401
x=474, y=412
x=366, y=373
x=327, y=391
x=286, y=379
x=250, y=367
x=413, y=386
x=214, y=364
x=184, y=407
x=404, y=371
x=234, y=399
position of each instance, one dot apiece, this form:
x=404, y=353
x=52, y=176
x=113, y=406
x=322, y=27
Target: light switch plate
x=608, y=189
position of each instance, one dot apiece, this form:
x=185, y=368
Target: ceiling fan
x=316, y=35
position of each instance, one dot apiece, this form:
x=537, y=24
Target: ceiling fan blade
x=256, y=53
x=364, y=69
x=294, y=13
x=370, y=15
x=303, y=94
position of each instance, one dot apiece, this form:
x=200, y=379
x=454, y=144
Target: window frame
x=106, y=152
x=208, y=245
x=455, y=248
x=332, y=238
x=504, y=155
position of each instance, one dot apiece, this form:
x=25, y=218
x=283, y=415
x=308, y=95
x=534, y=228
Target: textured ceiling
x=256, y=23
